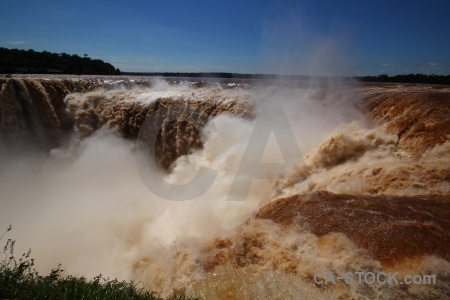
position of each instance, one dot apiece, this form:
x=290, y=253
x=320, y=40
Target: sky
x=347, y=37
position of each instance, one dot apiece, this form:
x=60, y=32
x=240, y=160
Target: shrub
x=19, y=280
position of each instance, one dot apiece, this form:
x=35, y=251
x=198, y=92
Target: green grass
x=19, y=280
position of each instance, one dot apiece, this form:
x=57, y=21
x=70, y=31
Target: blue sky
x=253, y=36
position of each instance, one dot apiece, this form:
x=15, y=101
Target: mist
x=91, y=203
x=86, y=207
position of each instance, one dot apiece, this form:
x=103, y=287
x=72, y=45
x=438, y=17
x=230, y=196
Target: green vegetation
x=13, y=61
x=19, y=280
x=409, y=78
x=218, y=75
x=33, y=62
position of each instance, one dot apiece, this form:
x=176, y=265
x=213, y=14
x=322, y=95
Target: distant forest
x=409, y=78
x=14, y=61
x=33, y=62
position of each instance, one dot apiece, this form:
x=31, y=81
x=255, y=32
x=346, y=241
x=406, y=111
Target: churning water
x=230, y=190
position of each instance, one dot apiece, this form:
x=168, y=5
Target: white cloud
x=17, y=42
x=389, y=65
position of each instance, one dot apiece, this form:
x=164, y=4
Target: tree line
x=13, y=61
x=33, y=62
x=408, y=78
x=217, y=75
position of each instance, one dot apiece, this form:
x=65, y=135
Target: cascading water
x=370, y=193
